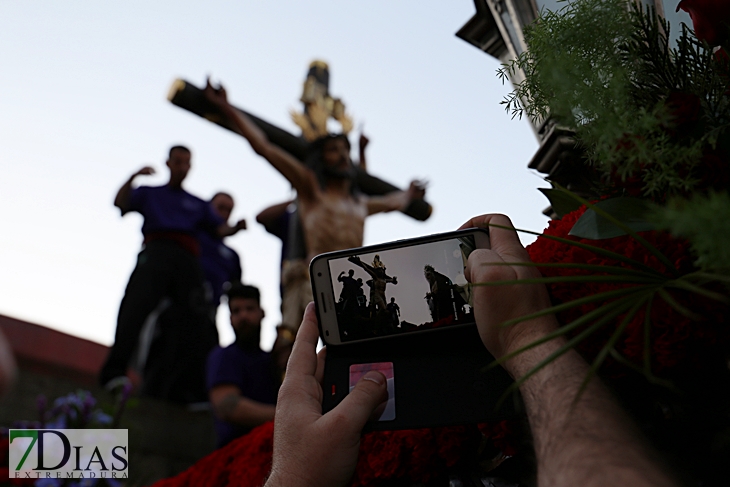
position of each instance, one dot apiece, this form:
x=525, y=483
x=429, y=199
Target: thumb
x=369, y=393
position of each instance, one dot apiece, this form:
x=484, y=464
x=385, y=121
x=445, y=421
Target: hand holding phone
x=495, y=305
x=405, y=309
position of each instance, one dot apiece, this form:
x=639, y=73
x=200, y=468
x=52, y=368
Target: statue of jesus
x=331, y=210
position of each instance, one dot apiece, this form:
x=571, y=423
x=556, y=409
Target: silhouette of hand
x=363, y=142
x=217, y=96
x=417, y=190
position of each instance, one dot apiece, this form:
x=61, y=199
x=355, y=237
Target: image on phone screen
x=402, y=290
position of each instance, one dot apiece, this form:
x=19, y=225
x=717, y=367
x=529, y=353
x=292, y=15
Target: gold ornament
x=319, y=106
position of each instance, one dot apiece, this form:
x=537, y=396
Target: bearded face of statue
x=336, y=157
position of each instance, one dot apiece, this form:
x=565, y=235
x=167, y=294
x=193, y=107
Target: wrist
x=225, y=107
x=528, y=333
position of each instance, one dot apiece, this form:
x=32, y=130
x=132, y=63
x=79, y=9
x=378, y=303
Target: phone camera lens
x=327, y=333
x=319, y=274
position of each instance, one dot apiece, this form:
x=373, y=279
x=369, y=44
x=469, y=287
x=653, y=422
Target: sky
x=83, y=106
x=406, y=265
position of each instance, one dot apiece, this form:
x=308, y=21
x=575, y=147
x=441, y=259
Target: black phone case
x=440, y=378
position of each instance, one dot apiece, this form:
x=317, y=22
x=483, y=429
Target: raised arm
x=362, y=144
x=397, y=200
x=301, y=177
x=590, y=442
x=122, y=199
x=231, y=406
x=226, y=230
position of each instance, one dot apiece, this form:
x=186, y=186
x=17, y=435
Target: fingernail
x=376, y=377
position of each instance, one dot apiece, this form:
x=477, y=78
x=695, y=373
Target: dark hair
x=221, y=193
x=315, y=161
x=178, y=147
x=243, y=291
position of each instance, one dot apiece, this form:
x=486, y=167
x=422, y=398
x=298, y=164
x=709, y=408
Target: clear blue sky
x=83, y=105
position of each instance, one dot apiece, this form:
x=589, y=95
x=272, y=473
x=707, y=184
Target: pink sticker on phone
x=357, y=371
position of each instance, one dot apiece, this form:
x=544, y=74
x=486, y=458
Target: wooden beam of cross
x=191, y=98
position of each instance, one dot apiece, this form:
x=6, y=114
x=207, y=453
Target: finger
x=478, y=269
x=360, y=403
x=502, y=240
x=321, y=357
x=303, y=359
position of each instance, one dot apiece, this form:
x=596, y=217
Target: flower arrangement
x=638, y=267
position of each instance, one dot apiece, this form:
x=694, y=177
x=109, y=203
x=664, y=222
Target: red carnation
x=676, y=340
x=710, y=18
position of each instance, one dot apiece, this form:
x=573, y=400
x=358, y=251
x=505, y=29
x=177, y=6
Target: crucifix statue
x=334, y=196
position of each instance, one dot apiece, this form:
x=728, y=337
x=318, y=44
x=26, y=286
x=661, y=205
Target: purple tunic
x=252, y=371
x=220, y=263
x=167, y=209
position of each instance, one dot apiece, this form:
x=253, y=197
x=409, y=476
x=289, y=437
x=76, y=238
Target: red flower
x=245, y=462
x=710, y=18
x=675, y=339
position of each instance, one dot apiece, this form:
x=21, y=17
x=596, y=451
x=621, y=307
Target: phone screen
x=402, y=290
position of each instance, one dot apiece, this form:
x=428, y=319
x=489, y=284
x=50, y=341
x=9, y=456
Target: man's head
x=179, y=164
x=244, y=303
x=329, y=157
x=351, y=272
x=377, y=262
x=336, y=153
x=428, y=272
x=222, y=204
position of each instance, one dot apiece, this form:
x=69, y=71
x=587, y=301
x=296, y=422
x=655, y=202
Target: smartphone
x=405, y=309
x=403, y=287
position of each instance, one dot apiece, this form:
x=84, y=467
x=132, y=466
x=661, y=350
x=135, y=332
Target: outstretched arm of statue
x=366, y=267
x=122, y=199
x=301, y=177
x=585, y=440
x=397, y=200
x=231, y=406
